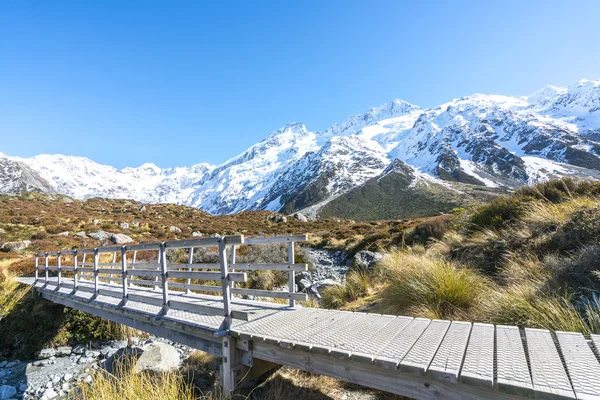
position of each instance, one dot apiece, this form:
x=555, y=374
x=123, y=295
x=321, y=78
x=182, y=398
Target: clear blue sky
x=178, y=83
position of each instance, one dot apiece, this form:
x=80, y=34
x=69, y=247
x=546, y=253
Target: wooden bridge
x=142, y=286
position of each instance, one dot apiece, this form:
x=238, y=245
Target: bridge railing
x=124, y=269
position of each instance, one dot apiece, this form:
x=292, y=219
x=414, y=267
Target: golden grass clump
x=357, y=284
x=126, y=384
x=430, y=286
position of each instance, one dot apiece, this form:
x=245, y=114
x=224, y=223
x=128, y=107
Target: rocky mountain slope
x=481, y=140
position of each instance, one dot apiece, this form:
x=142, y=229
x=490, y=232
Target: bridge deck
x=479, y=360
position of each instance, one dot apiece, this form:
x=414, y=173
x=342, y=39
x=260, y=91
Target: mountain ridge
x=493, y=141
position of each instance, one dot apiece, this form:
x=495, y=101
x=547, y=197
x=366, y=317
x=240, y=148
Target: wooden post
x=58, y=270
x=114, y=261
x=46, y=269
x=96, y=258
x=36, y=270
x=163, y=271
x=83, y=262
x=190, y=261
x=292, y=276
x=233, y=251
x=75, y=268
x=226, y=285
x=159, y=267
x=124, y=273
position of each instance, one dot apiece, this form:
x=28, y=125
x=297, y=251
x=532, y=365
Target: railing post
x=96, y=258
x=58, y=270
x=75, y=268
x=82, y=262
x=292, y=275
x=163, y=274
x=226, y=285
x=124, y=273
x=133, y=258
x=46, y=270
x=159, y=267
x=233, y=251
x=36, y=269
x=190, y=262
x=114, y=260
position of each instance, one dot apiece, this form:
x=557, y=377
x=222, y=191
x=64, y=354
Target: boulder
x=174, y=229
x=158, y=357
x=135, y=224
x=6, y=391
x=49, y=394
x=100, y=235
x=63, y=351
x=113, y=363
x=95, y=221
x=45, y=353
x=366, y=259
x=64, y=234
x=123, y=225
x=197, y=234
x=81, y=235
x=79, y=349
x=119, y=238
x=280, y=219
x=304, y=284
x=300, y=217
x=142, y=208
x=16, y=246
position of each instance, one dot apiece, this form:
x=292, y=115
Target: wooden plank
x=109, y=271
x=372, y=346
x=422, y=352
x=111, y=249
x=143, y=265
x=274, y=294
x=478, y=366
x=512, y=371
x=193, y=266
x=143, y=272
x=205, y=309
x=549, y=377
x=400, y=345
x=355, y=339
x=276, y=239
x=144, y=282
x=211, y=276
x=200, y=242
x=446, y=364
x=203, y=288
x=270, y=267
x=143, y=246
x=582, y=365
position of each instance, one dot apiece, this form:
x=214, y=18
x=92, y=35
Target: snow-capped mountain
x=486, y=140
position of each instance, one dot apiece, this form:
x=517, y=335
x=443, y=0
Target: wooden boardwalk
x=414, y=357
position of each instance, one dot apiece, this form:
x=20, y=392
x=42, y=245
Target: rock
x=23, y=387
x=135, y=224
x=158, y=357
x=16, y=246
x=300, y=217
x=96, y=221
x=197, y=234
x=366, y=259
x=2, y=230
x=304, y=284
x=119, y=238
x=92, y=354
x=49, y=394
x=67, y=377
x=111, y=365
x=63, y=234
x=174, y=229
x=100, y=235
x=123, y=225
x=45, y=353
x=88, y=379
x=81, y=234
x=3, y=364
x=142, y=208
x=63, y=351
x=6, y=391
x=79, y=349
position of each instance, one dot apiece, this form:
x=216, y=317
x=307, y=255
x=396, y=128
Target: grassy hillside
x=399, y=194
x=530, y=259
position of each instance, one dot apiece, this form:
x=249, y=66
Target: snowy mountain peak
x=487, y=140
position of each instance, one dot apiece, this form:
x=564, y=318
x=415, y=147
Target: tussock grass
x=357, y=284
x=429, y=286
x=128, y=385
